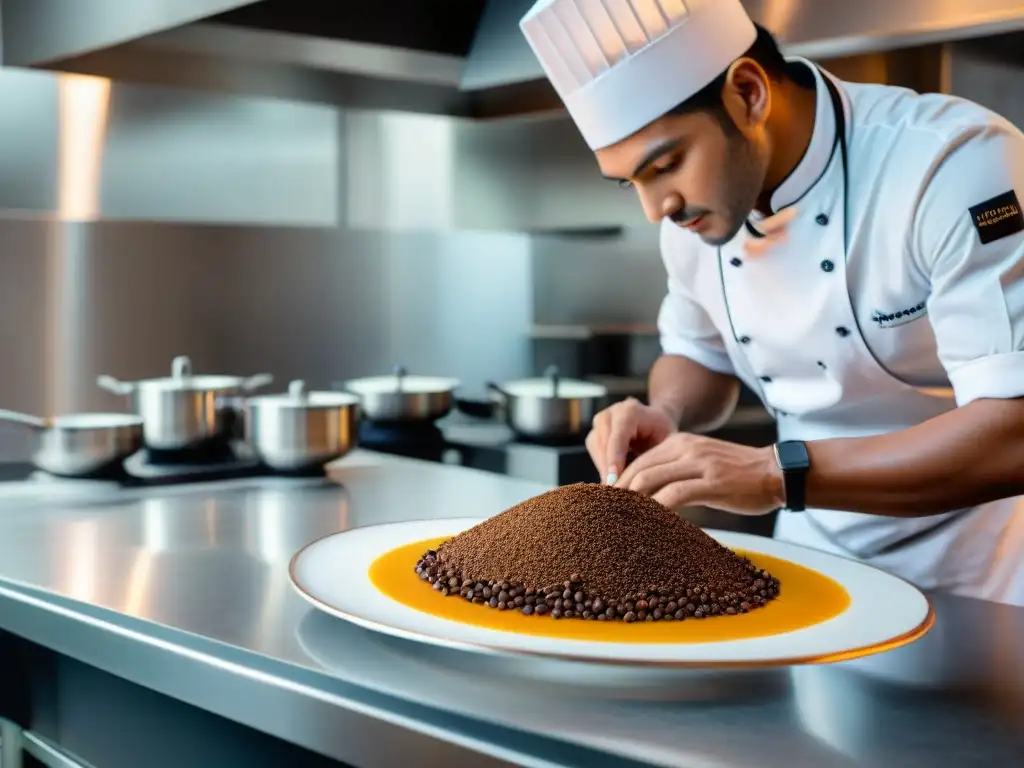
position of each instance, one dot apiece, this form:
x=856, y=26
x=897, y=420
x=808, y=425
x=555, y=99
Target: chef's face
x=704, y=170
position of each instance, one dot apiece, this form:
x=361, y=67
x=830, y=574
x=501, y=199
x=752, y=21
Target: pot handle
x=22, y=418
x=400, y=372
x=111, y=384
x=297, y=390
x=498, y=391
x=257, y=381
x=551, y=372
x=181, y=367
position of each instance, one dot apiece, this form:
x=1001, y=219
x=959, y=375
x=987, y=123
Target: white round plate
x=332, y=573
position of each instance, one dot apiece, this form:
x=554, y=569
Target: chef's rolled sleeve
x=976, y=305
x=684, y=325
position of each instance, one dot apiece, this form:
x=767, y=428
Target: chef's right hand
x=624, y=428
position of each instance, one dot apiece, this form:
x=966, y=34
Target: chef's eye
x=667, y=168
x=625, y=184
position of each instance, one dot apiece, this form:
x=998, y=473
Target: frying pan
x=81, y=444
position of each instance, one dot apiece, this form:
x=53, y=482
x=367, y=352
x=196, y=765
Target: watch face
x=793, y=455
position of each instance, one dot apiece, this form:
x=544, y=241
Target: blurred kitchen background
x=323, y=189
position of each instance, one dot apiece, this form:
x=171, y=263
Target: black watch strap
x=794, y=462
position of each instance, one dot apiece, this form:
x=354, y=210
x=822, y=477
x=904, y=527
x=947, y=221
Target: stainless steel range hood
x=36, y=32
x=816, y=29
x=469, y=60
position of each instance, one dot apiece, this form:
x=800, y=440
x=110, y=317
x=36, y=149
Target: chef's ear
x=747, y=93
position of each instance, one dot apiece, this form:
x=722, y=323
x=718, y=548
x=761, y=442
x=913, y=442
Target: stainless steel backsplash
x=141, y=223
x=80, y=299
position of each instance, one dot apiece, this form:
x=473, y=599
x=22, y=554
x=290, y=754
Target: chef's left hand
x=693, y=470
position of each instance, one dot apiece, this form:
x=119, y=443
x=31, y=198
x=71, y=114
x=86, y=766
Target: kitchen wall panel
x=175, y=155
x=81, y=148
x=24, y=301
x=29, y=127
x=991, y=72
x=599, y=280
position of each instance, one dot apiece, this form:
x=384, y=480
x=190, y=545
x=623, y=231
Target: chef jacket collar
x=812, y=166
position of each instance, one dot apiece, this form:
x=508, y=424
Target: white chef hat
x=620, y=64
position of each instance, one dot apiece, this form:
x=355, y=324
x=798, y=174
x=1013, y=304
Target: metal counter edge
x=249, y=689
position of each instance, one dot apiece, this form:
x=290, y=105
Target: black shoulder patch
x=998, y=218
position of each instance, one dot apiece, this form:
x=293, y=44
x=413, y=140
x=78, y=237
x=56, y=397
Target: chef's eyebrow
x=663, y=148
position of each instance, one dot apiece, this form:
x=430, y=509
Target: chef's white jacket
x=879, y=308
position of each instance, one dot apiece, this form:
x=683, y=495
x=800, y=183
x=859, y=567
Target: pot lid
x=401, y=382
x=549, y=387
x=181, y=379
x=95, y=420
x=298, y=397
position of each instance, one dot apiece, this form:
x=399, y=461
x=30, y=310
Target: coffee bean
x=629, y=617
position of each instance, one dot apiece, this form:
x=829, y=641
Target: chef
x=852, y=253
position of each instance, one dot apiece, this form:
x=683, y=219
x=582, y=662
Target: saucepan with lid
x=301, y=430
x=184, y=410
x=403, y=398
x=550, y=408
x=81, y=444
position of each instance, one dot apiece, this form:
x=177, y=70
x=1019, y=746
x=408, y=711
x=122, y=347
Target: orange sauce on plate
x=806, y=598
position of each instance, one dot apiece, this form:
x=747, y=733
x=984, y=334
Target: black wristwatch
x=794, y=463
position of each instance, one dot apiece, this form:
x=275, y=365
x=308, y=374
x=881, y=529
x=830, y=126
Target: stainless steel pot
x=301, y=430
x=184, y=410
x=403, y=398
x=81, y=444
x=550, y=408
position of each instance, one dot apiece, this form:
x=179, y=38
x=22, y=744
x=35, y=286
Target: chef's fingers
x=776, y=223
x=597, y=442
x=664, y=452
x=651, y=480
x=685, y=493
x=624, y=418
x=761, y=246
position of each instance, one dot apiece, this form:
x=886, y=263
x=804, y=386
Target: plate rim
x=482, y=648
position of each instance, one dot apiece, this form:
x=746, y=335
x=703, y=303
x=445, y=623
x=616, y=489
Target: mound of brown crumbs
x=596, y=552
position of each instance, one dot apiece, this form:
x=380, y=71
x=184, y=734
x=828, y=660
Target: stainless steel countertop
x=185, y=590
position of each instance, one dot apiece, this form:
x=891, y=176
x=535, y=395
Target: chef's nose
x=671, y=205
x=657, y=208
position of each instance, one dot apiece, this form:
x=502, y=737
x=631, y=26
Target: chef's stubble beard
x=744, y=179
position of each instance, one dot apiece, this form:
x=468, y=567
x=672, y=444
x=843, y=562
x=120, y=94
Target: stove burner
x=414, y=440
x=550, y=442
x=204, y=454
